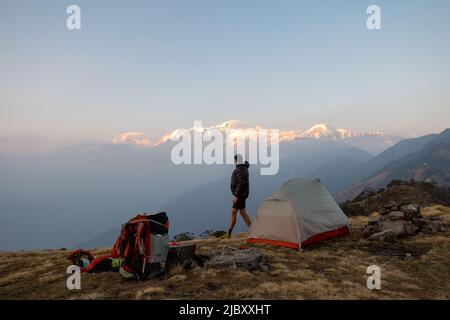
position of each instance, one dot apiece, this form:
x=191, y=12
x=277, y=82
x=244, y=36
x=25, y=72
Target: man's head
x=238, y=159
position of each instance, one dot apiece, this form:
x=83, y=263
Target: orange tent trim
x=314, y=239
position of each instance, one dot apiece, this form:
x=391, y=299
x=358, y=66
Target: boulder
x=371, y=229
x=182, y=254
x=383, y=236
x=411, y=211
x=438, y=226
x=394, y=215
x=228, y=250
x=383, y=211
x=248, y=259
x=391, y=206
x=420, y=222
x=410, y=228
x=431, y=226
x=396, y=226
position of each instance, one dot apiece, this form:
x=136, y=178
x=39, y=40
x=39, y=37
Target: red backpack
x=143, y=245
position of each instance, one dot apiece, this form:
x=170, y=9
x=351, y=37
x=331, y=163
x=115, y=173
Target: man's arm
x=240, y=179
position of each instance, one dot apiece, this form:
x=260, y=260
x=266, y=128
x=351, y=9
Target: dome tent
x=298, y=213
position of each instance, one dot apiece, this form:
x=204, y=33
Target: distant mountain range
x=370, y=141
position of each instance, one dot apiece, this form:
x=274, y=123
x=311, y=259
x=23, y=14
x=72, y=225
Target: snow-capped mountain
x=322, y=130
x=371, y=141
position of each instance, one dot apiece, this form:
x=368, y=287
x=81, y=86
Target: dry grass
x=335, y=269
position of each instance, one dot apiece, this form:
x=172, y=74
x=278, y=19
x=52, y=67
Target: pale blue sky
x=154, y=66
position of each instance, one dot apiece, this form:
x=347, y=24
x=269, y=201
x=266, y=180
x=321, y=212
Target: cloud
x=134, y=137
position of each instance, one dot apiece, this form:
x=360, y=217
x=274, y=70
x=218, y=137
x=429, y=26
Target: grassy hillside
x=335, y=269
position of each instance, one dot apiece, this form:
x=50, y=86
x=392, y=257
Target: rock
x=410, y=228
x=399, y=219
x=411, y=211
x=432, y=226
x=391, y=206
x=218, y=234
x=182, y=254
x=200, y=259
x=227, y=250
x=395, y=215
x=184, y=236
x=427, y=225
x=248, y=259
x=420, y=222
x=426, y=229
x=383, y=236
x=438, y=226
x=396, y=226
x=371, y=229
x=264, y=267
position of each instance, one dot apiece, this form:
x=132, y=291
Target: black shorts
x=240, y=203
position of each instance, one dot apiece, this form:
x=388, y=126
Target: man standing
x=240, y=189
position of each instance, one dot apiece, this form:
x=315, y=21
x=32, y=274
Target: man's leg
x=233, y=220
x=245, y=216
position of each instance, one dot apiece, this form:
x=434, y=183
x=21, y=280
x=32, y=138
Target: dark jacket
x=239, y=181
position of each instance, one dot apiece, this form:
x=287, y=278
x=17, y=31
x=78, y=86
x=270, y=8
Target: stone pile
x=229, y=257
x=397, y=220
x=226, y=257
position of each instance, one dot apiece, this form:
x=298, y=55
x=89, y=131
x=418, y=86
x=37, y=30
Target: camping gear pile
x=142, y=246
x=88, y=263
x=139, y=252
x=300, y=212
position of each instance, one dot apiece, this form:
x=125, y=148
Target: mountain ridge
x=240, y=128
x=430, y=162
